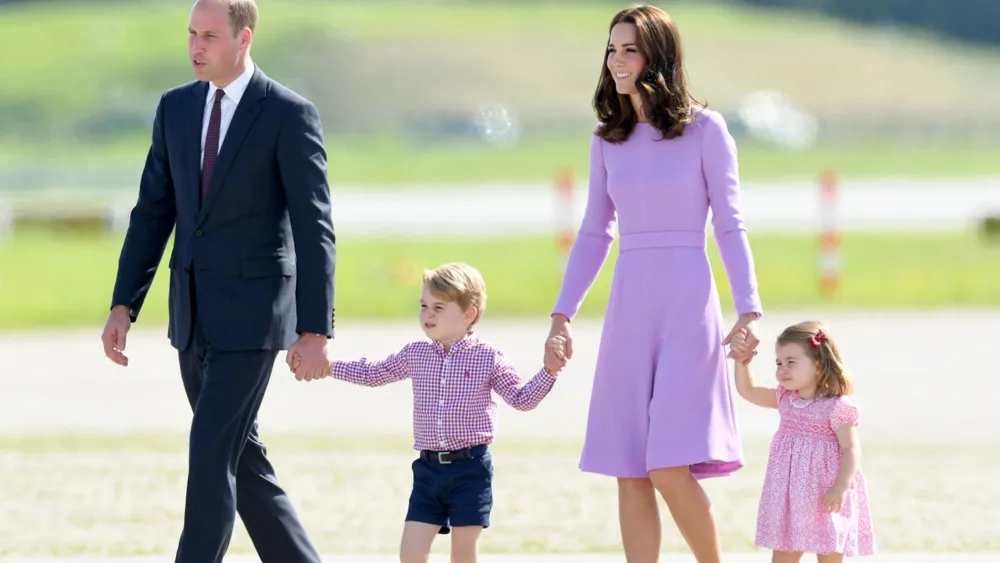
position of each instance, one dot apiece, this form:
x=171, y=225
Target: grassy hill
x=380, y=69
x=536, y=53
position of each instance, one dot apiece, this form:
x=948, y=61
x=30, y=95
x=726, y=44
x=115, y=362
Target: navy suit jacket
x=261, y=248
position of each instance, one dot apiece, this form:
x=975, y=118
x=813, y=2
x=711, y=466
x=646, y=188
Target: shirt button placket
x=441, y=439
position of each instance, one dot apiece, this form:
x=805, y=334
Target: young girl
x=815, y=499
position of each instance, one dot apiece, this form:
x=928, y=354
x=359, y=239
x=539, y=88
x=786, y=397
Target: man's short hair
x=242, y=13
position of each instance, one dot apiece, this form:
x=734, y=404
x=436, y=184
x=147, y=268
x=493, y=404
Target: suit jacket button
x=197, y=233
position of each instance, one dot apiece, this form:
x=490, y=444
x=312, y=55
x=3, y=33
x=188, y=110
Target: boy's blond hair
x=460, y=283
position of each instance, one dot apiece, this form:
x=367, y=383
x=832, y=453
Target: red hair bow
x=820, y=337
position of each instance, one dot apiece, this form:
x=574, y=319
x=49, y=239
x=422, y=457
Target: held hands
x=307, y=357
x=743, y=348
x=833, y=500
x=560, y=327
x=739, y=342
x=555, y=354
x=296, y=361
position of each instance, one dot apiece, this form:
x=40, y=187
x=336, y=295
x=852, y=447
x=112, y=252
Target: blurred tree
x=967, y=20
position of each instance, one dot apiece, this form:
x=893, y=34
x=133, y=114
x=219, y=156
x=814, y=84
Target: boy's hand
x=296, y=360
x=555, y=354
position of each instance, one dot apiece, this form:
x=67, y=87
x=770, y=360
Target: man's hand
x=307, y=357
x=296, y=361
x=114, y=334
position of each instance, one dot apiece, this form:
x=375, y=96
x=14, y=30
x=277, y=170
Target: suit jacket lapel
x=243, y=118
x=192, y=137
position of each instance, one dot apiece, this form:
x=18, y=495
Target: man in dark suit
x=237, y=169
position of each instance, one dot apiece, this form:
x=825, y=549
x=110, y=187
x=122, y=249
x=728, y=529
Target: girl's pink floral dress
x=804, y=461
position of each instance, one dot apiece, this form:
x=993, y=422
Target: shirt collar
x=236, y=88
x=468, y=340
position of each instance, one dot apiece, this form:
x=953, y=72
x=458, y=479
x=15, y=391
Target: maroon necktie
x=211, y=142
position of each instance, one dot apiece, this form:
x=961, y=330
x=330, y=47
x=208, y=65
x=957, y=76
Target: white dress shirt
x=234, y=92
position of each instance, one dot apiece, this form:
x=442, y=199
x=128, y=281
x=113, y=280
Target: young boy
x=453, y=375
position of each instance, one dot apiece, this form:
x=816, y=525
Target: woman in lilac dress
x=661, y=412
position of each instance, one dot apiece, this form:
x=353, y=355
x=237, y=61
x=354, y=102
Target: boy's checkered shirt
x=453, y=406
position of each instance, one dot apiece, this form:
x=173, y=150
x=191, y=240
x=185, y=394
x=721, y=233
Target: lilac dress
x=662, y=395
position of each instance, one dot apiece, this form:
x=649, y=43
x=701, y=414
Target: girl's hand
x=747, y=323
x=833, y=500
x=739, y=343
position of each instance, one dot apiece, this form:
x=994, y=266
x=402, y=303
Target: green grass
x=425, y=59
x=360, y=162
x=99, y=47
x=48, y=280
x=123, y=495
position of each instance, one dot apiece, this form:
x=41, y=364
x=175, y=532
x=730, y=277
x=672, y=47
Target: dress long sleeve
x=594, y=238
x=721, y=170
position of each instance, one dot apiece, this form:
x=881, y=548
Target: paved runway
x=922, y=378
x=568, y=558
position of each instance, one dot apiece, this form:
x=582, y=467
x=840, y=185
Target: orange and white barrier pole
x=6, y=221
x=829, y=237
x=566, y=218
x=6, y=228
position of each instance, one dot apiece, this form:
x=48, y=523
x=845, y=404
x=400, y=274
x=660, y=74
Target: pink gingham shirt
x=453, y=406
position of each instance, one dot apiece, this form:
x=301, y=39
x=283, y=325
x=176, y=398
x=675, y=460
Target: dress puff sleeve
x=844, y=411
x=780, y=392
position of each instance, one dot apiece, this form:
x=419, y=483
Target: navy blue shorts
x=455, y=493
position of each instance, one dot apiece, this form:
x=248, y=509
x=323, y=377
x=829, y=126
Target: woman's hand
x=555, y=354
x=560, y=327
x=739, y=342
x=744, y=349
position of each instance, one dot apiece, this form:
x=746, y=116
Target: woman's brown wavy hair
x=662, y=86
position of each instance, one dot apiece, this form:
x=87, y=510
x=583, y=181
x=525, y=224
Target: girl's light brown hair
x=820, y=346
x=662, y=86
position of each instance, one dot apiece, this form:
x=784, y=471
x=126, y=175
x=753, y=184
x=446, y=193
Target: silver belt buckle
x=440, y=456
